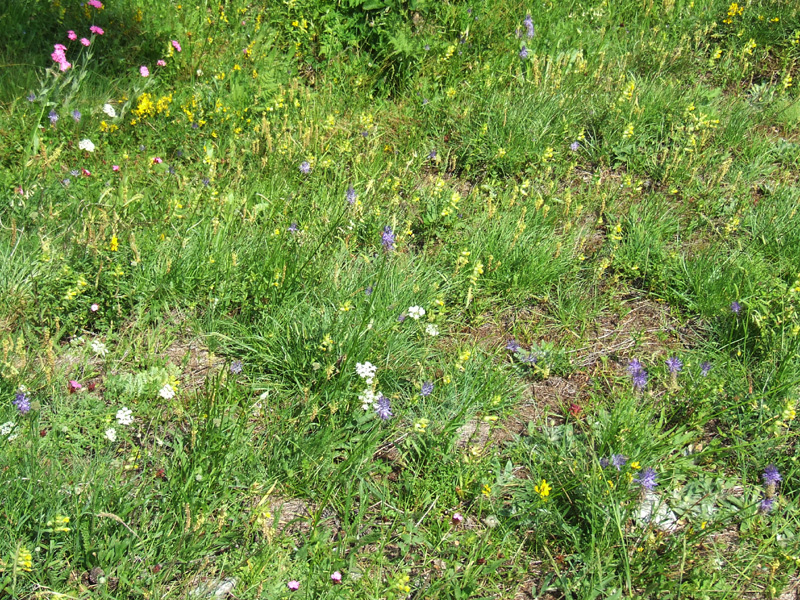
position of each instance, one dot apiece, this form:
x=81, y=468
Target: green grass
x=611, y=196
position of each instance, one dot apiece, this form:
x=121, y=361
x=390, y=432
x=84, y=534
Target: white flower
x=416, y=312
x=368, y=398
x=124, y=416
x=86, y=145
x=166, y=392
x=6, y=428
x=111, y=434
x=366, y=371
x=431, y=329
x=99, y=348
x=109, y=110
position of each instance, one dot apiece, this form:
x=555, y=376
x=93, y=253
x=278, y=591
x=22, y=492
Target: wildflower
x=293, y=586
x=74, y=386
x=22, y=402
x=771, y=476
x=574, y=146
x=512, y=345
x=96, y=29
x=387, y=239
x=336, y=577
x=647, y=479
x=95, y=4
x=766, y=505
x=635, y=366
x=86, y=145
x=158, y=160
x=427, y=389
x=53, y=116
x=161, y=63
x=528, y=22
x=85, y=42
x=71, y=35
x=59, y=524
x=236, y=367
x=176, y=45
x=382, y=408
x=523, y=54
x=114, y=244
x=368, y=398
x=109, y=110
x=543, y=489
x=487, y=490
x=368, y=290
x=166, y=392
x=351, y=195
x=674, y=364
x=421, y=424
x=111, y=434
x=415, y=312
x=31, y=97
x=457, y=519
x=305, y=167
x=432, y=330
x=76, y=114
x=24, y=559
x=639, y=380
x=6, y=428
x=292, y=228
x=618, y=460
x=705, y=368
x=366, y=371
x=125, y=416
x=99, y=348
x=432, y=155
x=604, y=462
x=86, y=172
x=735, y=307
x=144, y=71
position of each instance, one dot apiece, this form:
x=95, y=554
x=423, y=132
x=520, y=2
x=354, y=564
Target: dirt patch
x=196, y=362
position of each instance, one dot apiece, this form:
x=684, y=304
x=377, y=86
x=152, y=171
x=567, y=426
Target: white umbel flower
x=109, y=110
x=366, y=371
x=99, y=348
x=86, y=145
x=166, y=392
x=416, y=312
x=124, y=416
x=111, y=434
x=431, y=329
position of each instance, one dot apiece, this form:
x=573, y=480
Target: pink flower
x=457, y=519
x=60, y=48
x=96, y=29
x=293, y=585
x=115, y=168
x=64, y=65
x=94, y=307
x=157, y=160
x=85, y=42
x=86, y=172
x=95, y=4
x=336, y=577
x=74, y=386
x=72, y=35
x=162, y=63
x=144, y=71
x=176, y=45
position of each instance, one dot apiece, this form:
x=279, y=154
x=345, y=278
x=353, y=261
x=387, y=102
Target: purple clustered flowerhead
x=736, y=307
x=512, y=345
x=368, y=290
x=383, y=409
x=523, y=54
x=771, y=475
x=76, y=114
x=401, y=317
x=31, y=97
x=674, y=364
x=351, y=195
x=53, y=116
x=638, y=374
x=705, y=368
x=292, y=227
x=528, y=22
x=618, y=460
x=574, y=146
x=647, y=479
x=22, y=402
x=427, y=389
x=432, y=155
x=604, y=462
x=305, y=167
x=767, y=504
x=236, y=367
x=387, y=239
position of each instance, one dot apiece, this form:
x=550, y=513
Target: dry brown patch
x=197, y=363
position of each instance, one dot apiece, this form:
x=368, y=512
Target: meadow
x=361, y=299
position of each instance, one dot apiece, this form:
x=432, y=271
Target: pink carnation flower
x=74, y=386
x=94, y=307
x=162, y=63
x=72, y=35
x=115, y=168
x=96, y=29
x=336, y=577
x=95, y=4
x=144, y=71
x=176, y=45
x=64, y=65
x=85, y=42
x=293, y=585
x=157, y=160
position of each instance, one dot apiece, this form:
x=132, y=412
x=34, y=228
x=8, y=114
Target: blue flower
x=236, y=367
x=574, y=146
x=705, y=368
x=618, y=460
x=76, y=114
x=528, y=22
x=523, y=54
x=305, y=167
x=53, y=116
x=22, y=402
x=382, y=408
x=351, y=195
x=771, y=475
x=387, y=239
x=736, y=307
x=647, y=479
x=674, y=364
x=427, y=389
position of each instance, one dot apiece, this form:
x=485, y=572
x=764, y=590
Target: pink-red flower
x=161, y=63
x=157, y=160
x=95, y=4
x=86, y=172
x=74, y=386
x=72, y=35
x=96, y=29
x=85, y=42
x=176, y=45
x=115, y=168
x=144, y=71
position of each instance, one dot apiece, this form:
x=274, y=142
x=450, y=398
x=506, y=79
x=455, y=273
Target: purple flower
x=368, y=290
x=736, y=307
x=523, y=54
x=529, y=358
x=351, y=195
x=639, y=380
x=336, y=577
x=432, y=155
x=305, y=167
x=195, y=125
x=53, y=116
x=206, y=181
x=31, y=97
x=22, y=402
x=604, y=462
x=382, y=408
x=618, y=460
x=236, y=367
x=528, y=22
x=512, y=345
x=293, y=585
x=767, y=504
x=705, y=368
x=771, y=475
x=674, y=364
x=574, y=146
x=647, y=479
x=427, y=389
x=401, y=317
x=635, y=366
x=292, y=227
x=387, y=239
x=76, y=114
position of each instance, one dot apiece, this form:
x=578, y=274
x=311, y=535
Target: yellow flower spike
x=543, y=489
x=114, y=245
x=487, y=490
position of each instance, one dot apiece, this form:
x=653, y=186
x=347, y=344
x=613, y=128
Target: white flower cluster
x=99, y=348
x=109, y=110
x=6, y=429
x=166, y=392
x=416, y=312
x=432, y=330
x=366, y=371
x=368, y=398
x=86, y=145
x=124, y=416
x=370, y=395
x=111, y=434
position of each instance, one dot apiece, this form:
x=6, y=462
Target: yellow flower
x=24, y=559
x=543, y=489
x=487, y=490
x=421, y=424
x=635, y=465
x=114, y=246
